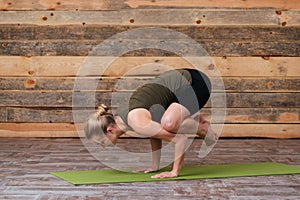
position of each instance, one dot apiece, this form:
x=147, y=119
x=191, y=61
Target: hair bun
x=101, y=110
x=104, y=107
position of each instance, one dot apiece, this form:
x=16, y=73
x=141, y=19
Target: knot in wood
x=30, y=83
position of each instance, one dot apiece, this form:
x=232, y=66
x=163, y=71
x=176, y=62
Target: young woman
x=160, y=110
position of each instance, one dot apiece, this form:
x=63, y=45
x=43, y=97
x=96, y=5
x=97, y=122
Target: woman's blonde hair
x=97, y=123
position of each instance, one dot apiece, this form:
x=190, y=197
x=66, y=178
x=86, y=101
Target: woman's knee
x=170, y=123
x=174, y=116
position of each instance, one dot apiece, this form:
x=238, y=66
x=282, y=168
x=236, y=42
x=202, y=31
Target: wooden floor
x=26, y=163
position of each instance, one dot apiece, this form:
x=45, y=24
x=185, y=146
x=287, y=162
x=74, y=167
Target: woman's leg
x=177, y=119
x=192, y=126
x=199, y=126
x=140, y=121
x=173, y=117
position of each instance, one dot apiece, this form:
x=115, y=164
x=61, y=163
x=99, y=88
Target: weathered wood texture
x=64, y=99
x=82, y=48
x=70, y=130
x=26, y=163
x=66, y=66
x=157, y=4
x=102, y=32
x=45, y=46
x=218, y=41
x=234, y=115
x=122, y=4
x=231, y=84
x=157, y=17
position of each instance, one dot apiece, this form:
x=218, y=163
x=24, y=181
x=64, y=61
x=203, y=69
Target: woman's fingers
x=138, y=170
x=144, y=170
x=205, y=125
x=164, y=175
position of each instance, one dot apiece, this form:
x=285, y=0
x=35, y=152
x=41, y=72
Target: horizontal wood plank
x=69, y=130
x=264, y=130
x=137, y=48
x=66, y=66
x=230, y=84
x=37, y=130
x=126, y=4
x=10, y=32
x=233, y=115
x=88, y=99
x=280, y=4
x=61, y=5
x=196, y=17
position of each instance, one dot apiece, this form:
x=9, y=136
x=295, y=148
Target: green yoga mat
x=187, y=173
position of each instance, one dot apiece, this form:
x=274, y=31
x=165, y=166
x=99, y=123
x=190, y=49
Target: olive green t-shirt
x=157, y=95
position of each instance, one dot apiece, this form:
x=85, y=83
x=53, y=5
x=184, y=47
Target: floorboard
x=25, y=164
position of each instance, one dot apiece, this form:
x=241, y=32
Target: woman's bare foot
x=205, y=132
x=203, y=128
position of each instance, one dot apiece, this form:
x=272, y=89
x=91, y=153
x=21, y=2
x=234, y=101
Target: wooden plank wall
x=254, y=44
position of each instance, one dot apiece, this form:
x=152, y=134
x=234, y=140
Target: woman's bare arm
x=180, y=146
x=156, y=152
x=140, y=121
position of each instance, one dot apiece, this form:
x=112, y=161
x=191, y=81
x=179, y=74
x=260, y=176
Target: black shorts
x=195, y=96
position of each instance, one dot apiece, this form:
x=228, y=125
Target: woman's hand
x=204, y=127
x=165, y=175
x=146, y=170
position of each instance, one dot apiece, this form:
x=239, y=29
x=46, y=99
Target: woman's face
x=109, y=139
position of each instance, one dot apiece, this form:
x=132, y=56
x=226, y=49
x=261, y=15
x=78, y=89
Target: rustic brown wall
x=254, y=44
